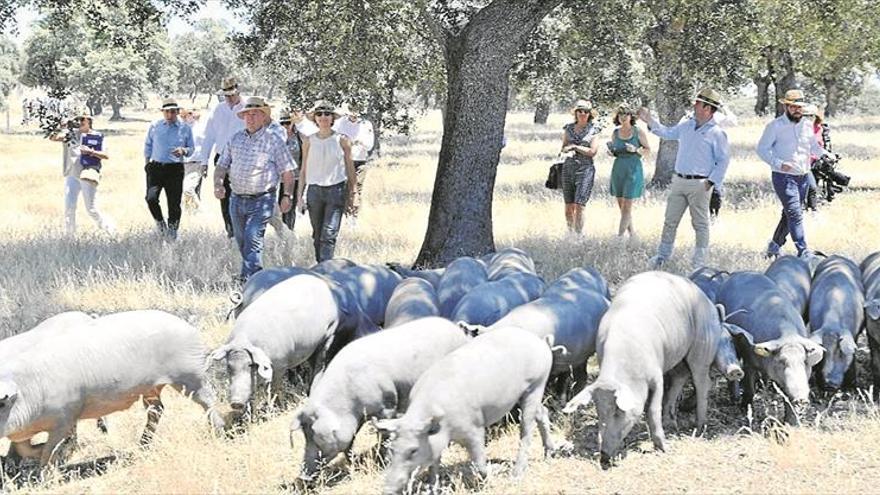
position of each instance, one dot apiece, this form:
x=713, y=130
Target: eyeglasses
x=323, y=114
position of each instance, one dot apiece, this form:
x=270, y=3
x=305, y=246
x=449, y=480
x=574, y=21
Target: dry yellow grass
x=44, y=272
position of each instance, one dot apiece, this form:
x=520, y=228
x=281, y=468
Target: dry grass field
x=42, y=272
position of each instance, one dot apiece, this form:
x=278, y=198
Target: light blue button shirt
x=164, y=137
x=702, y=150
x=784, y=141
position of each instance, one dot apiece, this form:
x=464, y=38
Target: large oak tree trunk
x=762, y=100
x=672, y=102
x=478, y=57
x=785, y=81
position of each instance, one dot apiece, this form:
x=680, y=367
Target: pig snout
x=734, y=372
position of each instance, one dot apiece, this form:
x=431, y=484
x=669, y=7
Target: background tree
x=203, y=56
x=10, y=68
x=369, y=53
x=689, y=43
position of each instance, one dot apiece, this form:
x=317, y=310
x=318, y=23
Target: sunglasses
x=580, y=110
x=323, y=114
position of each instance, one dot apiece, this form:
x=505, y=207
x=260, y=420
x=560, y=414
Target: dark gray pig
x=413, y=298
x=508, y=261
x=490, y=301
x=793, y=276
x=262, y=281
x=709, y=280
x=837, y=315
x=461, y=275
x=432, y=276
x=580, y=278
x=370, y=285
x=871, y=278
x=771, y=337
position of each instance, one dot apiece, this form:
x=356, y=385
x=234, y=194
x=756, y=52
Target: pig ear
x=765, y=349
x=264, y=364
x=625, y=399
x=740, y=336
x=386, y=425
x=217, y=354
x=581, y=399
x=847, y=343
x=814, y=352
x=872, y=308
x=8, y=393
x=722, y=313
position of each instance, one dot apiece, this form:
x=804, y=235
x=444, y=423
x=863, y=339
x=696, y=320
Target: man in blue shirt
x=700, y=165
x=168, y=143
x=786, y=145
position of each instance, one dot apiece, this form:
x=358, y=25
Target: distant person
x=194, y=170
x=786, y=145
x=84, y=153
x=328, y=171
x=254, y=160
x=168, y=142
x=628, y=143
x=578, y=172
x=700, y=165
x=222, y=123
x=361, y=135
x=823, y=135
x=294, y=145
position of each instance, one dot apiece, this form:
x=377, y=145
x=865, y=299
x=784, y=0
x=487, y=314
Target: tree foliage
x=371, y=53
x=10, y=67
x=102, y=59
x=203, y=56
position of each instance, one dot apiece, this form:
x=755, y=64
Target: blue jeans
x=249, y=217
x=791, y=191
x=326, y=205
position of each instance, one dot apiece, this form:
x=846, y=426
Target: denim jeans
x=326, y=204
x=249, y=216
x=791, y=191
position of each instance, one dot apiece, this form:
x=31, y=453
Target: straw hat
x=170, y=104
x=810, y=109
x=586, y=106
x=255, y=103
x=622, y=108
x=229, y=86
x=325, y=106
x=794, y=97
x=284, y=117
x=710, y=97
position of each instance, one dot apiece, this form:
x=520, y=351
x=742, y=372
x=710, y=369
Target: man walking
x=786, y=145
x=168, y=142
x=253, y=161
x=221, y=125
x=700, y=165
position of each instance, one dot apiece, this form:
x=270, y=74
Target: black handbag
x=554, y=176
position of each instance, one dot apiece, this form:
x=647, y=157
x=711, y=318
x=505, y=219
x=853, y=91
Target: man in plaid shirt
x=254, y=159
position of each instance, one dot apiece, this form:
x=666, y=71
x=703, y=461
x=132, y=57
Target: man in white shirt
x=786, y=145
x=219, y=128
x=360, y=132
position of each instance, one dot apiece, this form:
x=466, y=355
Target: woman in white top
x=328, y=170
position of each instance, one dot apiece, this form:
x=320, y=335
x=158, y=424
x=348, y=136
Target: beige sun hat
x=325, y=106
x=229, y=86
x=255, y=103
x=170, y=104
x=584, y=105
x=794, y=97
x=710, y=97
x=811, y=109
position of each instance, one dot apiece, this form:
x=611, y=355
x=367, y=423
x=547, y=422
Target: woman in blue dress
x=628, y=143
x=578, y=172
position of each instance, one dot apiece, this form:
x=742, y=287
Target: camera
x=828, y=179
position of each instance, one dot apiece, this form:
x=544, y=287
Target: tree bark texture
x=762, y=100
x=785, y=80
x=832, y=96
x=672, y=103
x=478, y=58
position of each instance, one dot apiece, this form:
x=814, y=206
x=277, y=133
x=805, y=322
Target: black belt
x=683, y=176
x=166, y=163
x=257, y=195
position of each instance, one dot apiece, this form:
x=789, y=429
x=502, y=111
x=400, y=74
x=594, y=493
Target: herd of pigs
x=437, y=356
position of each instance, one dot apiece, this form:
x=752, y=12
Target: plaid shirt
x=255, y=161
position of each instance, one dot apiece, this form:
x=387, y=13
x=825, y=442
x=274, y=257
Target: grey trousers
x=691, y=195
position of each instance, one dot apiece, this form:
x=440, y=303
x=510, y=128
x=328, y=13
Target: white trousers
x=72, y=188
